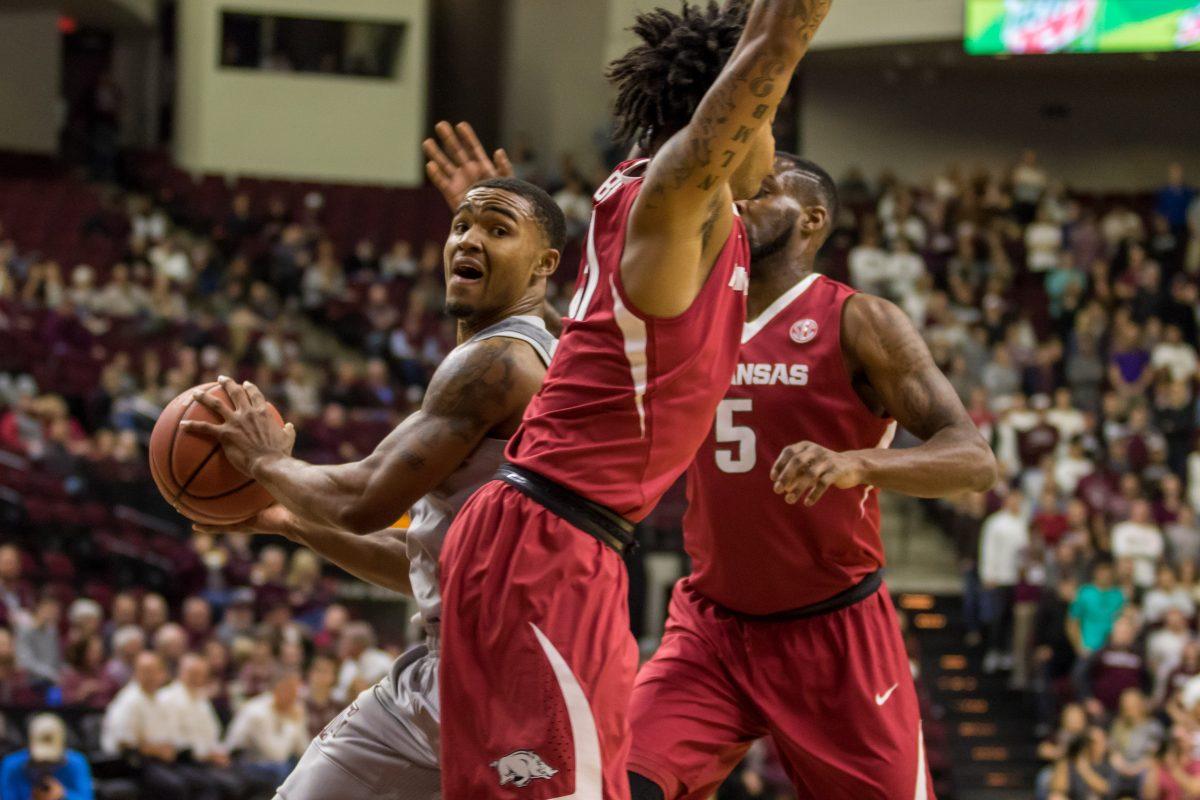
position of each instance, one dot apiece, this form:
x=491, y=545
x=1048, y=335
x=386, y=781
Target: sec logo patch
x=804, y=331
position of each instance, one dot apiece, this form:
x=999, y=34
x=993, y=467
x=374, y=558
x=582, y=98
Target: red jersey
x=629, y=398
x=751, y=551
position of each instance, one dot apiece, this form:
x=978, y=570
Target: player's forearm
x=312, y=491
x=952, y=461
x=787, y=26
x=380, y=558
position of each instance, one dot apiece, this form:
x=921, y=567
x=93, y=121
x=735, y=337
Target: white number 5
x=728, y=433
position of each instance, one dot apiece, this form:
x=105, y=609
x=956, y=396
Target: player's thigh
x=691, y=724
x=847, y=721
x=365, y=752
x=537, y=662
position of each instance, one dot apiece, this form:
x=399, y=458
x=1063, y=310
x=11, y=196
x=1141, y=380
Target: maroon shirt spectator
x=1117, y=667
x=16, y=593
x=197, y=621
x=320, y=704
x=16, y=690
x=85, y=681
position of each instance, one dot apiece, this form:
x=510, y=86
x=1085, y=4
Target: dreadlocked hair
x=661, y=81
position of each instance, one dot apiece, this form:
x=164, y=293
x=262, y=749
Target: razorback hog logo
x=521, y=767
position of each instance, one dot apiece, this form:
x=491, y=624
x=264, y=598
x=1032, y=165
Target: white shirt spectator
x=1001, y=541
x=869, y=268
x=133, y=719
x=1158, y=602
x=904, y=271
x=1141, y=542
x=1069, y=422
x=193, y=720
x=1193, y=471
x=1069, y=471
x=264, y=734
x=1179, y=359
x=1043, y=244
x=1164, y=649
x=369, y=667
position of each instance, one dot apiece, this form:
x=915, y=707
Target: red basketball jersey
x=751, y=551
x=629, y=398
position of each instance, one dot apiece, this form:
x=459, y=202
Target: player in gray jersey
x=505, y=240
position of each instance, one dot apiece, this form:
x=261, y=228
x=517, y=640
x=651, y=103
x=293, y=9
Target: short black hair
x=827, y=190
x=662, y=80
x=547, y=213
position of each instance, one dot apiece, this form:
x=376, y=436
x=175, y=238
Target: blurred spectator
x=320, y=703
x=1005, y=534
x=85, y=681
x=38, y=650
x=138, y=727
x=269, y=733
x=196, y=730
x=128, y=642
x=1174, y=199
x=46, y=769
x=362, y=662
x=1139, y=540
x=16, y=689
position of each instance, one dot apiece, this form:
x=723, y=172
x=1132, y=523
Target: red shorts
x=537, y=661
x=835, y=693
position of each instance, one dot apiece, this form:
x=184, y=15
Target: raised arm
x=479, y=388
x=684, y=213
x=883, y=345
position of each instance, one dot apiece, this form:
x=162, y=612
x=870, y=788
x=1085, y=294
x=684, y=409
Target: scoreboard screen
x=1020, y=27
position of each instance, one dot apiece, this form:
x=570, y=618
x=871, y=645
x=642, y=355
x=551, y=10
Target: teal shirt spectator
x=1096, y=609
x=74, y=774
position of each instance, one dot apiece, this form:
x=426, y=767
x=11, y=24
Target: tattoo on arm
x=474, y=396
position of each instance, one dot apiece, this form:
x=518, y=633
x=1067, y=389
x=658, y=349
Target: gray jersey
x=433, y=513
x=384, y=746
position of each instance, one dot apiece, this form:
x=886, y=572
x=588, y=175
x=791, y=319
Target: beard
x=459, y=310
x=761, y=250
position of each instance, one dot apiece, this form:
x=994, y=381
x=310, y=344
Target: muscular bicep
x=474, y=392
x=899, y=367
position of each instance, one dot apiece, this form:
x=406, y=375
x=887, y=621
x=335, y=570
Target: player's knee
x=642, y=788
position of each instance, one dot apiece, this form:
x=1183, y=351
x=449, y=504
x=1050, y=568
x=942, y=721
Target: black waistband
x=593, y=519
x=855, y=594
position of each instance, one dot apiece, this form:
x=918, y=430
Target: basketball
x=192, y=471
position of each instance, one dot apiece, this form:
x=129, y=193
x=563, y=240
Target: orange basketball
x=192, y=471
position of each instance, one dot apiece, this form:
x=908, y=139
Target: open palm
x=459, y=161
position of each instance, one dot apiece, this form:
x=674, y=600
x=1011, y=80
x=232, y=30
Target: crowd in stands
x=1068, y=326
x=1067, y=323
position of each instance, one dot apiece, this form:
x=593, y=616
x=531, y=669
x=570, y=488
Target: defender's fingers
x=504, y=167
x=471, y=142
x=451, y=143
x=437, y=155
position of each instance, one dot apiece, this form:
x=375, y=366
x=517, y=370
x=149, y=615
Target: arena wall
x=303, y=126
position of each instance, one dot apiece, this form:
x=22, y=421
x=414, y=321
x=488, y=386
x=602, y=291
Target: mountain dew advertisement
x=1020, y=27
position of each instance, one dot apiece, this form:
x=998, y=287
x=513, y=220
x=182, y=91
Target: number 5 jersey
x=751, y=551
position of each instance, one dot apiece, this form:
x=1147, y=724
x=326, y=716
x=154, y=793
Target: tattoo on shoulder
x=474, y=391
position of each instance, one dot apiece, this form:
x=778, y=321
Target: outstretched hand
x=248, y=432
x=460, y=161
